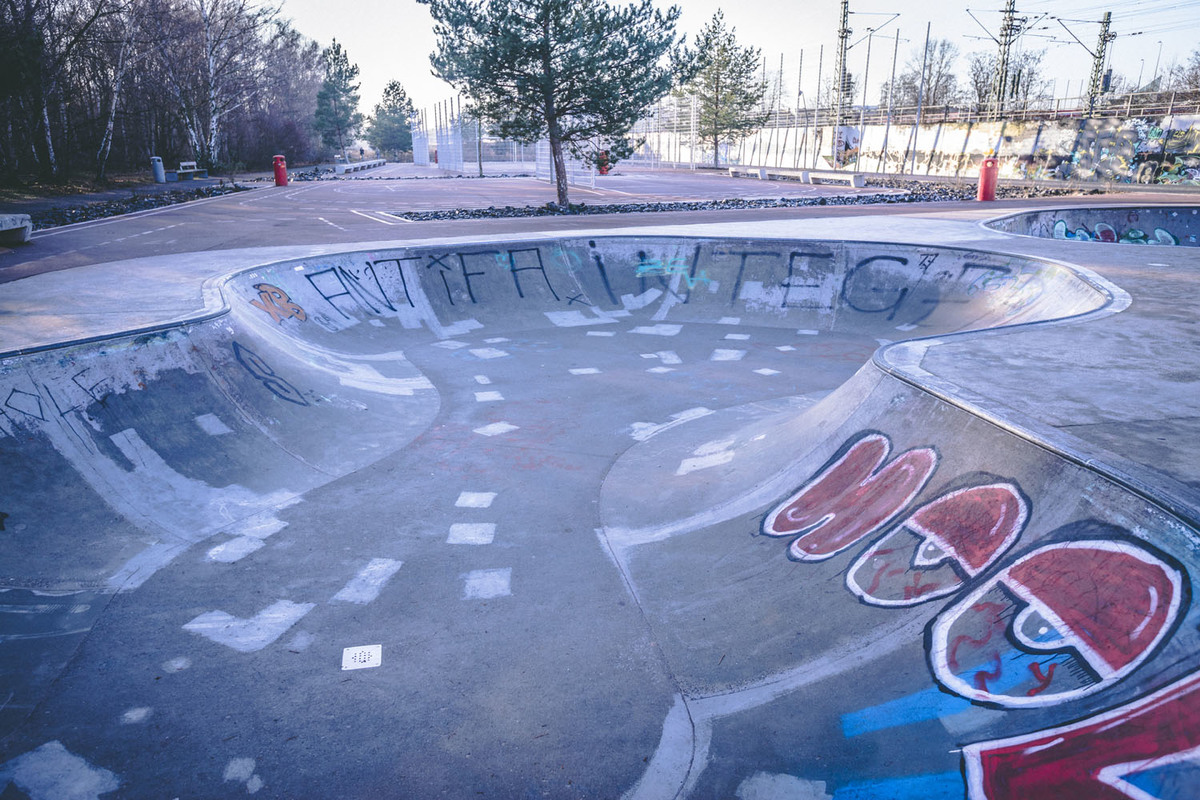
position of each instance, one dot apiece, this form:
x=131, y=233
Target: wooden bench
x=15, y=228
x=187, y=170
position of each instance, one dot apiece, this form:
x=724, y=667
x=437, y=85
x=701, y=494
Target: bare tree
x=210, y=51
x=938, y=86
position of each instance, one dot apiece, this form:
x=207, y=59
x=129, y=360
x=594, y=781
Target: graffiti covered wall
x=1146, y=150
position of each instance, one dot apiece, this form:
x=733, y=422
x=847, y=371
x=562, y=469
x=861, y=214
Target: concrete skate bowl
x=1146, y=225
x=582, y=518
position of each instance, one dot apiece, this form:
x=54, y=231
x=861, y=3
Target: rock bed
x=66, y=215
x=899, y=191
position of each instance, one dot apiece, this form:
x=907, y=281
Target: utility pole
x=920, y=98
x=1008, y=33
x=1095, y=87
x=839, y=78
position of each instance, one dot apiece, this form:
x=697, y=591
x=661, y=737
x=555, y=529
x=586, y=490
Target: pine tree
x=727, y=81
x=578, y=72
x=389, y=129
x=337, y=118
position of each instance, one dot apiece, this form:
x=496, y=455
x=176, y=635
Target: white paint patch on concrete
x=497, y=428
x=707, y=455
x=601, y=333
x=485, y=584
x=51, y=772
x=450, y=344
x=727, y=355
x=488, y=397
x=369, y=582
x=689, y=465
x=908, y=326
x=767, y=371
x=729, y=321
x=669, y=357
x=239, y=769
x=233, y=550
x=362, y=657
x=660, y=370
x=475, y=499
x=255, y=783
x=212, y=425
x=645, y=430
x=785, y=348
x=649, y=355
x=632, y=303
x=768, y=786
x=177, y=664
x=585, y=371
x=471, y=533
x=260, y=526
x=807, y=332
x=301, y=642
x=135, y=715
x=253, y=634
x=486, y=353
x=662, y=329
x=483, y=380
x=187, y=508
x=576, y=319
x=738, y=337
x=496, y=340
x=461, y=328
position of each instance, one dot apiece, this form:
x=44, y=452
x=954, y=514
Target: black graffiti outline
x=262, y=372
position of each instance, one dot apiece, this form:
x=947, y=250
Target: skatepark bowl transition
x=757, y=511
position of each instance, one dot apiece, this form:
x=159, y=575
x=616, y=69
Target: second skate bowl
x=643, y=517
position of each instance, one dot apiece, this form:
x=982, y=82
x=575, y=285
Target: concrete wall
x=1162, y=150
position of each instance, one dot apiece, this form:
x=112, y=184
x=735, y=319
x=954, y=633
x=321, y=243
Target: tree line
x=93, y=86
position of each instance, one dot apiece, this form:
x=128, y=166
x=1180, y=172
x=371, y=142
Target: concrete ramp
x=583, y=517
x=1148, y=225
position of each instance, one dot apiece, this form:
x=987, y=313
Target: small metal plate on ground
x=362, y=657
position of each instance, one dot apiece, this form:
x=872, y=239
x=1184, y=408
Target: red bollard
x=280, y=171
x=989, y=172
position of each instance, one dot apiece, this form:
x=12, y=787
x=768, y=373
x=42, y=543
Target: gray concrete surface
x=560, y=480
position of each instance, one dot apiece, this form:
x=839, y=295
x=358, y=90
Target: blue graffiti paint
x=1168, y=781
x=938, y=786
x=931, y=703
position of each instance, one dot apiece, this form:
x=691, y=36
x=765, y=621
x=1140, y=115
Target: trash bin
x=280, y=171
x=156, y=166
x=989, y=172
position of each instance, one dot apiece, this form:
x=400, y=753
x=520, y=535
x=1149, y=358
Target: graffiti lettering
x=1098, y=607
x=940, y=545
x=1103, y=232
x=790, y=282
x=672, y=266
x=512, y=261
x=612, y=298
x=850, y=498
x=1145, y=749
x=266, y=376
x=277, y=304
x=880, y=293
x=25, y=403
x=744, y=256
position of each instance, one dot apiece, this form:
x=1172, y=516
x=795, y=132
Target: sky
x=392, y=39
